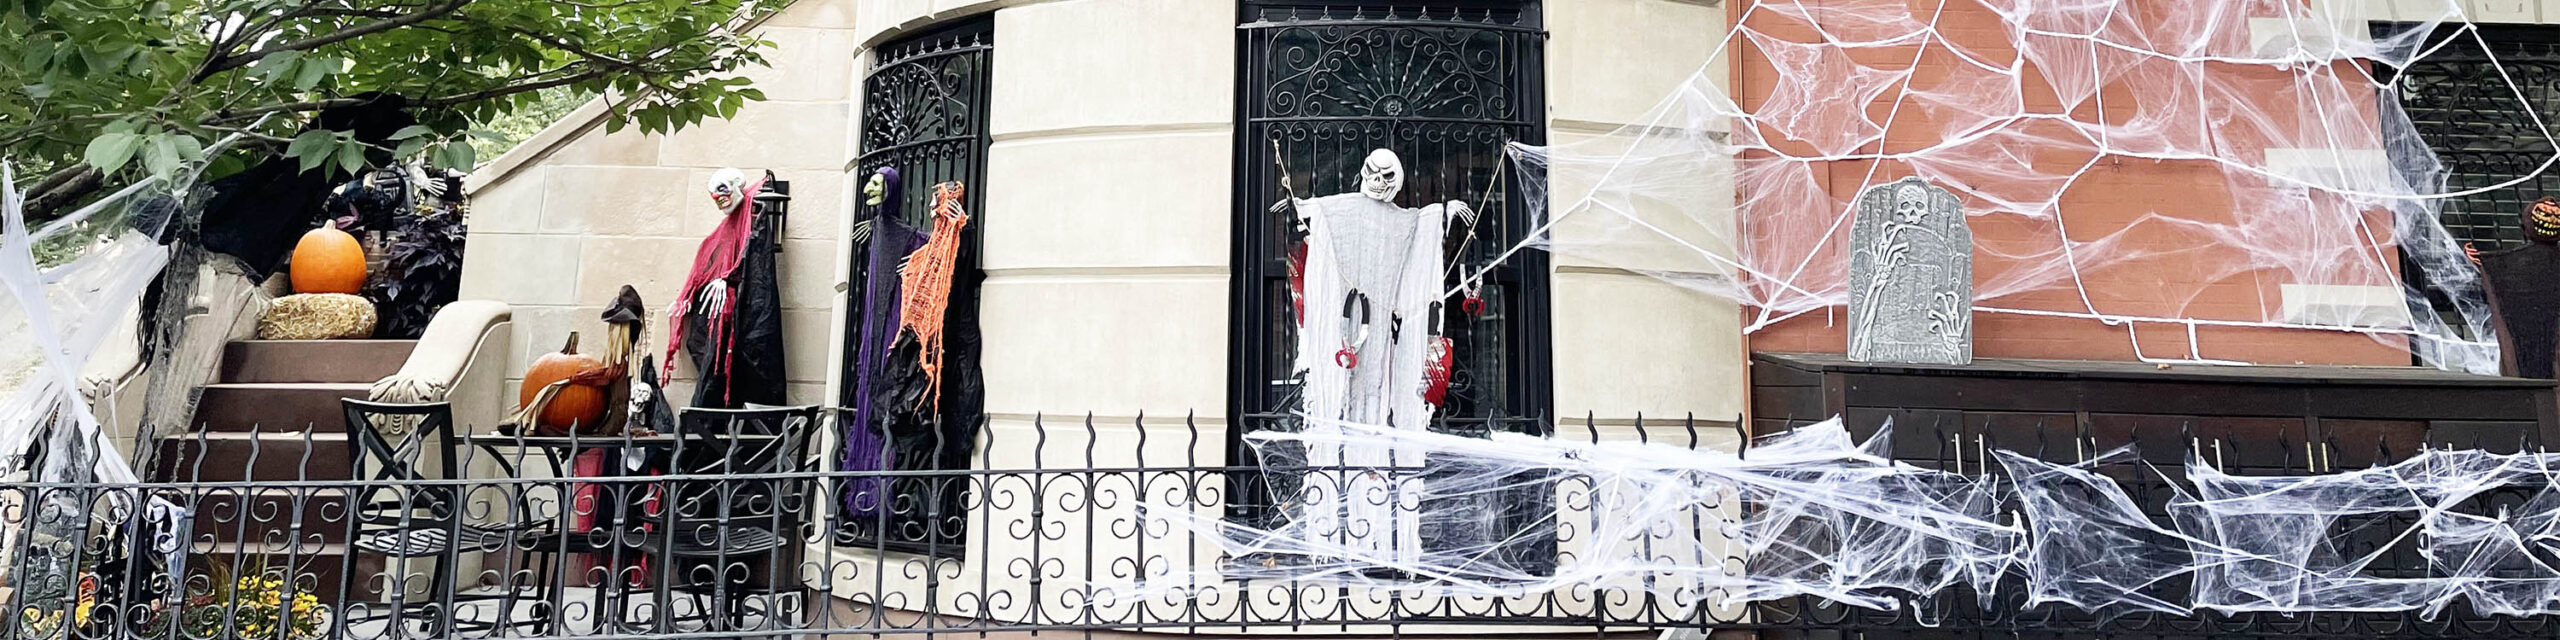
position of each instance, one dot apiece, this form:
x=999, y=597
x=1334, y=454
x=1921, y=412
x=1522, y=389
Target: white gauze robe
x=1392, y=254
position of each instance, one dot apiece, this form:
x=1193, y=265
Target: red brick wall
x=2180, y=272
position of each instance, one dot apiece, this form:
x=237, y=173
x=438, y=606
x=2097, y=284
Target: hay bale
x=317, y=316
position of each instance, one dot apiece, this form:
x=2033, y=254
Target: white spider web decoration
x=2163, y=168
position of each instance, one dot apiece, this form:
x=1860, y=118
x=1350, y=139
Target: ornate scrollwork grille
x=924, y=112
x=2460, y=104
x=1445, y=85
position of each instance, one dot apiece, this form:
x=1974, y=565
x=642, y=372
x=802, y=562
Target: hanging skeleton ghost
x=1372, y=285
x=728, y=316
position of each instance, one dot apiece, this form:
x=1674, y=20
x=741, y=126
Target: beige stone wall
x=559, y=224
x=1106, y=223
x=1628, y=344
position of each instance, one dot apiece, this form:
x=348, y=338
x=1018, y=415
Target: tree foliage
x=106, y=91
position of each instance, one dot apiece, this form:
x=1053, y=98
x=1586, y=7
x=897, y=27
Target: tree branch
x=219, y=117
x=61, y=189
x=500, y=92
x=431, y=12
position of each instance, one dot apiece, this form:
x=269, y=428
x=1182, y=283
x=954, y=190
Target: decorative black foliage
x=423, y=269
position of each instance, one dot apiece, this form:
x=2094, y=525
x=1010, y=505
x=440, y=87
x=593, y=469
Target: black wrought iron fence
x=397, y=528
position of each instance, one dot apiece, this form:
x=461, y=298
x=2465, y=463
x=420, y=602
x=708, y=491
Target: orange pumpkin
x=581, y=401
x=328, y=261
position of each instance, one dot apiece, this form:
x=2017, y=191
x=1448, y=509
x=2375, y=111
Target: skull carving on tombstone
x=1910, y=204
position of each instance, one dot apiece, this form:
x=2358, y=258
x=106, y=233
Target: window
x=1445, y=85
x=2461, y=106
x=924, y=114
x=2459, y=103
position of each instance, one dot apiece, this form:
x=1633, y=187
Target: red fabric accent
x=585, y=503
x=715, y=260
x=1435, y=371
x=1298, y=282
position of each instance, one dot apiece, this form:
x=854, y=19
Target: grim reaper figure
x=1372, y=288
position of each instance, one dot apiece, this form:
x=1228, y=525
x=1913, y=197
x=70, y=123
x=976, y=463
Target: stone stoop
x=273, y=415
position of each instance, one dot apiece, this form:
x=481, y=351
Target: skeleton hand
x=1460, y=211
x=861, y=231
x=715, y=296
x=1944, y=315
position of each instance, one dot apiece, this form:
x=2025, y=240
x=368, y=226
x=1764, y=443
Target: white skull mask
x=1382, y=176
x=727, y=187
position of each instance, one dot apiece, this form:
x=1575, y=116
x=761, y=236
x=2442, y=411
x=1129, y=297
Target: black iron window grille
x=2460, y=104
x=1445, y=85
x=924, y=113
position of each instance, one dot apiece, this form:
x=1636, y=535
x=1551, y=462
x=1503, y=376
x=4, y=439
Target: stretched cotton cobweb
x=2159, y=169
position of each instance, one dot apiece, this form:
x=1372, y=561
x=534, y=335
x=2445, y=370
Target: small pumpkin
x=328, y=261
x=580, y=399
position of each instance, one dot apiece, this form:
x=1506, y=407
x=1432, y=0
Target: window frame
x=1260, y=345
x=944, y=138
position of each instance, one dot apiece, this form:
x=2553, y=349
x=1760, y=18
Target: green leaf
x=275, y=65
x=412, y=131
x=189, y=147
x=312, y=148
x=223, y=166
x=463, y=156
x=37, y=56
x=110, y=151
x=309, y=142
x=313, y=71
x=411, y=147
x=351, y=157
x=161, y=156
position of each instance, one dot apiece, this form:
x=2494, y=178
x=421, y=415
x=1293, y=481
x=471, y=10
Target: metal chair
x=714, y=535
x=386, y=444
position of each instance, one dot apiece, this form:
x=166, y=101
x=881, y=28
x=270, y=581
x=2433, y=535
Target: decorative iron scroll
x=1074, y=543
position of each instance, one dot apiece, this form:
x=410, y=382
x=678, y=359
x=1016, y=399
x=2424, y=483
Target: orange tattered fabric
x=925, y=283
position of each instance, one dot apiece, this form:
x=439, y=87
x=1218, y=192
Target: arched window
x=924, y=113
x=1445, y=85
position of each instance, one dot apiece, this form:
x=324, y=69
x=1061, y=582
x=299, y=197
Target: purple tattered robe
x=866, y=448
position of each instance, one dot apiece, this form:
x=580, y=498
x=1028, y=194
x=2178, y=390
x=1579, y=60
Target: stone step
x=229, y=456
x=313, y=360
x=276, y=406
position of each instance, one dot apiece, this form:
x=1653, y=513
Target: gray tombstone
x=1910, y=276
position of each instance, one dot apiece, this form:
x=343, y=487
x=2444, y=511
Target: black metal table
x=630, y=471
